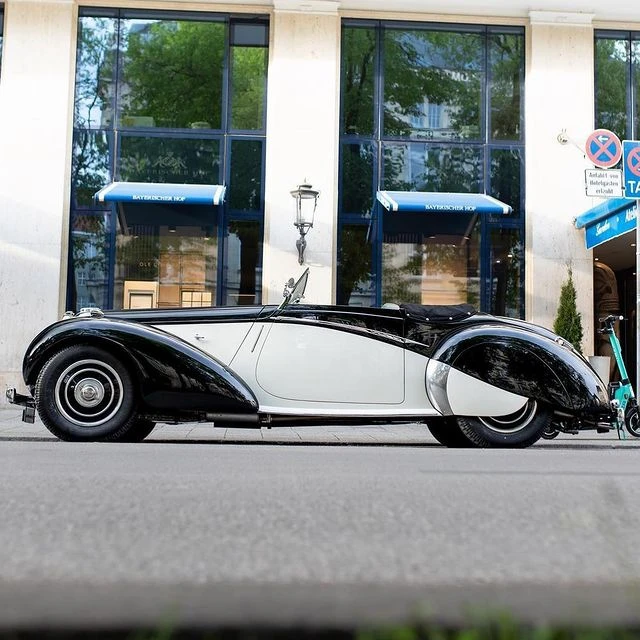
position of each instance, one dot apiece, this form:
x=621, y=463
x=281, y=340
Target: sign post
x=631, y=168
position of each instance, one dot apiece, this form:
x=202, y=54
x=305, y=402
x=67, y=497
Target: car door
x=310, y=362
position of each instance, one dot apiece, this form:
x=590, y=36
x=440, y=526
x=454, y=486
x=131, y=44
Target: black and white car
x=473, y=378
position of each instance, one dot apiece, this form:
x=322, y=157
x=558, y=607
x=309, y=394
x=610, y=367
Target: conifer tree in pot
x=568, y=322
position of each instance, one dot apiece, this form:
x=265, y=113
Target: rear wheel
x=448, y=433
x=84, y=393
x=139, y=429
x=516, y=430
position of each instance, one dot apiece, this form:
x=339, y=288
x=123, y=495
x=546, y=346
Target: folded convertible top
x=438, y=313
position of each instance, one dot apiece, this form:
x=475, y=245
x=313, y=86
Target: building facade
x=259, y=97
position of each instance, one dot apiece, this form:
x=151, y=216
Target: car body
x=473, y=378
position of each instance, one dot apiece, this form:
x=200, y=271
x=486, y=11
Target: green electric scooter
x=621, y=395
x=621, y=392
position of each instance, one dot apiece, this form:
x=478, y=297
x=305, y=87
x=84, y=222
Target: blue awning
x=150, y=192
x=431, y=202
x=607, y=220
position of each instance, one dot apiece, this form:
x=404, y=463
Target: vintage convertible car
x=473, y=378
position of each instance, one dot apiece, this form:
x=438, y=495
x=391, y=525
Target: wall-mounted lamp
x=306, y=202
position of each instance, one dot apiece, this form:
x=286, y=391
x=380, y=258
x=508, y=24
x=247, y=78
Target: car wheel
x=84, y=393
x=632, y=420
x=448, y=433
x=517, y=430
x=138, y=430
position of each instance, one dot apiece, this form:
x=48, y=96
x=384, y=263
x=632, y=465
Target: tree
x=568, y=322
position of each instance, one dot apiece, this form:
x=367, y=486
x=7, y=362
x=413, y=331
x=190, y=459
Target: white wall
x=35, y=138
x=559, y=96
x=302, y=134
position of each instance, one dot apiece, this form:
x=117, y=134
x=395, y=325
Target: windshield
x=295, y=292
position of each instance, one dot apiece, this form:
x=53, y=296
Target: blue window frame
x=1, y=33
x=168, y=97
x=431, y=107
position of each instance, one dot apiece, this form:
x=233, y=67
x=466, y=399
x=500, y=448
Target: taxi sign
x=631, y=167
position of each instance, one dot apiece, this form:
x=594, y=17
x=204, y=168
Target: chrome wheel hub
x=514, y=421
x=89, y=393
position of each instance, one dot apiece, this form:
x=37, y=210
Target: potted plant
x=568, y=322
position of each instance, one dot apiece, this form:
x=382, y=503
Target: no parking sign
x=603, y=148
x=631, y=153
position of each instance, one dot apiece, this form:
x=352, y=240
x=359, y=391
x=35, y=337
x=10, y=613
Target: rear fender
x=171, y=374
x=524, y=363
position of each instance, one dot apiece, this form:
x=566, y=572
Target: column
x=302, y=143
x=36, y=110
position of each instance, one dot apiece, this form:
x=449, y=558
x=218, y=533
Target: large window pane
x=431, y=259
x=506, y=62
x=245, y=188
x=355, y=269
x=95, y=72
x=171, y=73
x=635, y=58
x=166, y=256
x=506, y=177
x=433, y=84
x=357, y=177
x=92, y=156
x=243, y=251
x=507, y=258
x=423, y=167
x=89, y=260
x=358, y=69
x=182, y=160
x=612, y=68
x=248, y=87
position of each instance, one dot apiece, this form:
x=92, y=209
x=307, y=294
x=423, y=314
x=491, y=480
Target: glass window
x=166, y=256
x=90, y=253
x=157, y=94
x=248, y=87
x=171, y=73
x=355, y=267
x=357, y=172
x=506, y=70
x=95, y=72
x=612, y=79
x=245, y=190
x=243, y=249
x=635, y=62
x=90, y=169
x=431, y=67
x=507, y=258
x=169, y=159
x=358, y=69
x=417, y=166
x=431, y=259
x=449, y=103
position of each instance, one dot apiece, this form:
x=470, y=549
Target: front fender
x=528, y=364
x=171, y=374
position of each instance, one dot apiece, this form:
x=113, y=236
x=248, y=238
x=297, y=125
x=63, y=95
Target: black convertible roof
x=438, y=313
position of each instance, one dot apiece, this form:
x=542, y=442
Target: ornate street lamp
x=306, y=202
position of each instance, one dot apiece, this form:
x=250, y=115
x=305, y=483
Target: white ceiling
x=601, y=10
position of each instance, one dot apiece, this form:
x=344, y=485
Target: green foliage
x=568, y=322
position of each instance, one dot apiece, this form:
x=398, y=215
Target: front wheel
x=516, y=430
x=632, y=420
x=84, y=393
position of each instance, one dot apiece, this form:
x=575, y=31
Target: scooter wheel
x=550, y=433
x=632, y=421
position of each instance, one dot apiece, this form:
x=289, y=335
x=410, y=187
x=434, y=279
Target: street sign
x=603, y=148
x=631, y=166
x=603, y=183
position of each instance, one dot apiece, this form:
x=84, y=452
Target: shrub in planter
x=568, y=322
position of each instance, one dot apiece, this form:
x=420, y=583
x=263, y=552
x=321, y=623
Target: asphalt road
x=257, y=534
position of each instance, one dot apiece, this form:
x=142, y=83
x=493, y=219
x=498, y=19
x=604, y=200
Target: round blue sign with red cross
x=604, y=148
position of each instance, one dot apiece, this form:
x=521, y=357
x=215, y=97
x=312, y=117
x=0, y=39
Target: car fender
x=171, y=374
x=519, y=362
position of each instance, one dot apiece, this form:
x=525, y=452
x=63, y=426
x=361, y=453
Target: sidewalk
x=417, y=434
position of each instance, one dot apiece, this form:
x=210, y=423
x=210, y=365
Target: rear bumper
x=29, y=411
